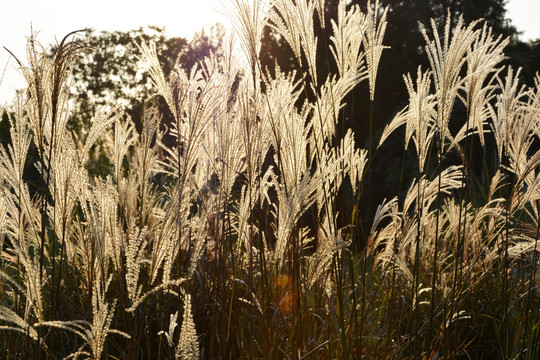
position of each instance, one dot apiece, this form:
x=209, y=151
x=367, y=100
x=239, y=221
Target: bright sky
x=524, y=16
x=55, y=18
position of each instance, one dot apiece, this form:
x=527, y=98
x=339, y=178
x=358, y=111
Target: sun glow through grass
x=220, y=233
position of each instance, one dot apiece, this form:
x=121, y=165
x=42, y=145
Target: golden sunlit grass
x=227, y=216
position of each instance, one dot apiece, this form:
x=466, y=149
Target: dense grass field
x=232, y=231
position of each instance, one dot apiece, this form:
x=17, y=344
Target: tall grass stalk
x=215, y=229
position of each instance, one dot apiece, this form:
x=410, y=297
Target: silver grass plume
x=249, y=18
x=188, y=345
x=387, y=237
x=169, y=335
x=484, y=56
x=508, y=103
x=21, y=224
x=522, y=132
x=10, y=320
x=96, y=332
x=347, y=39
x=294, y=21
x=150, y=60
x=328, y=106
x=399, y=235
x=134, y=249
x=103, y=313
x=418, y=116
x=320, y=8
x=447, y=57
x=375, y=27
x=124, y=136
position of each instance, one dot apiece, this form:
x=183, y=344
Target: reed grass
x=227, y=216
